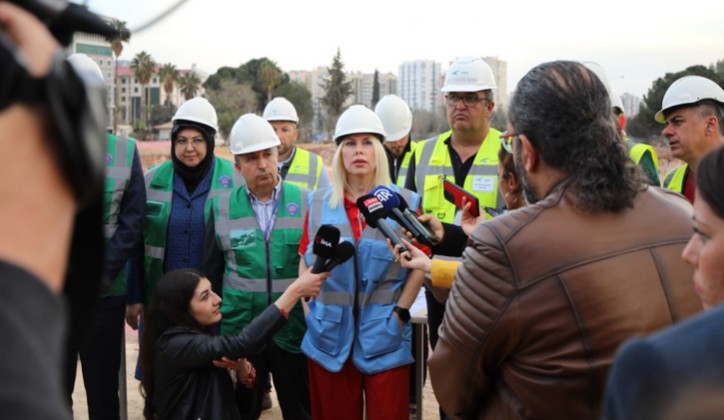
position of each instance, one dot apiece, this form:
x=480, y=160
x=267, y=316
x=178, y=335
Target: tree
x=230, y=101
x=337, y=88
x=189, y=83
x=375, y=89
x=122, y=35
x=169, y=76
x=143, y=68
x=269, y=76
x=643, y=124
x=162, y=113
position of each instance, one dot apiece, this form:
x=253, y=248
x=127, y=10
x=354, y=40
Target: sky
x=636, y=41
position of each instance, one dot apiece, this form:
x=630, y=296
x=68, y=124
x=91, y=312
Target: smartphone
x=455, y=194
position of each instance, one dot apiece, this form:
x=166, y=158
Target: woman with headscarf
x=177, y=192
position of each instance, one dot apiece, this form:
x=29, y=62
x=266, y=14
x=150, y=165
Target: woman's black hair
x=169, y=307
x=710, y=180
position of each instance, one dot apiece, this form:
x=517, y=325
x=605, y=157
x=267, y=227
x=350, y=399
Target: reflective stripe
x=255, y=285
x=120, y=173
x=154, y=251
x=381, y=296
x=336, y=298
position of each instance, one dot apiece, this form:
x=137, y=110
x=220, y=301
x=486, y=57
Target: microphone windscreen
x=387, y=197
x=372, y=209
x=325, y=242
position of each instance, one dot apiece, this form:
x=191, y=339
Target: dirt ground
x=135, y=402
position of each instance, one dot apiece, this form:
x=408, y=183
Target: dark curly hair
x=710, y=180
x=565, y=112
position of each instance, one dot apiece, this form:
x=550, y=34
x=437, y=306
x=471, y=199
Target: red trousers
x=339, y=395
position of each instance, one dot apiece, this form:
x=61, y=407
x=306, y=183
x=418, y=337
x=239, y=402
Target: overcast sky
x=636, y=41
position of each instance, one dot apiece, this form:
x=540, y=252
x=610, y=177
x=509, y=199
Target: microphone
x=325, y=242
x=344, y=251
x=63, y=18
x=391, y=201
x=429, y=237
x=374, y=213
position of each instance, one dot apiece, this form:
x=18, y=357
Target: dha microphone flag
x=345, y=250
x=391, y=201
x=325, y=243
x=374, y=213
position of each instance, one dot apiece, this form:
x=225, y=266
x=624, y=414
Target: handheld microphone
x=391, y=201
x=63, y=18
x=429, y=237
x=374, y=213
x=344, y=251
x=325, y=242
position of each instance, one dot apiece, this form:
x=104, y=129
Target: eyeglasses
x=468, y=100
x=506, y=140
x=184, y=142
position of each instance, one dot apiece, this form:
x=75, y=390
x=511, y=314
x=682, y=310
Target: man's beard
x=529, y=191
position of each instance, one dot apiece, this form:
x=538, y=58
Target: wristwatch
x=403, y=313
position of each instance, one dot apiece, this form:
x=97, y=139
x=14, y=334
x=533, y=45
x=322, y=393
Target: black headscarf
x=192, y=176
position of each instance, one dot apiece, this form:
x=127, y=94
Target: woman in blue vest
x=177, y=192
x=181, y=376
x=358, y=335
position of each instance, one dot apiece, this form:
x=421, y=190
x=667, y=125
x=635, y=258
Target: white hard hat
x=252, y=133
x=596, y=68
x=280, y=109
x=83, y=64
x=198, y=110
x=358, y=119
x=687, y=91
x=395, y=115
x=469, y=74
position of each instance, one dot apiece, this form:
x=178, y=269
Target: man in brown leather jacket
x=547, y=293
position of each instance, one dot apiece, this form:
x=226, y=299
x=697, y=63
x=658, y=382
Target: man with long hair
x=547, y=293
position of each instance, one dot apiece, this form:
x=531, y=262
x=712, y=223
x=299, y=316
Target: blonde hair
x=339, y=174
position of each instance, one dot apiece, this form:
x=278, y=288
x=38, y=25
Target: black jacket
x=187, y=385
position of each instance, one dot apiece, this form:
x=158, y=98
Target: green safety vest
x=432, y=165
x=402, y=172
x=674, y=180
x=638, y=150
x=258, y=271
x=119, y=161
x=304, y=169
x=159, y=193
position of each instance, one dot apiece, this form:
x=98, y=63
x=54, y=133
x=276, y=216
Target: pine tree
x=337, y=89
x=375, y=89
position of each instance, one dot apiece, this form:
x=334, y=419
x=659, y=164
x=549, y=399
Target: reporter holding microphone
x=358, y=338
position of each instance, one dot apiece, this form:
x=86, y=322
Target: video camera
x=76, y=101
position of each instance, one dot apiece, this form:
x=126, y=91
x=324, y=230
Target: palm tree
x=270, y=76
x=169, y=75
x=189, y=84
x=143, y=68
x=122, y=35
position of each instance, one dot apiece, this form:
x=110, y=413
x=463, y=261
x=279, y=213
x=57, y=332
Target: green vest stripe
x=256, y=285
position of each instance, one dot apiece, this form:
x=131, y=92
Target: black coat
x=188, y=385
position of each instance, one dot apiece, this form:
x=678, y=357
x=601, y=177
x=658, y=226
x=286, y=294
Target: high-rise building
x=419, y=83
x=363, y=87
x=500, y=71
x=631, y=104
